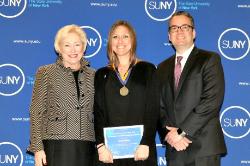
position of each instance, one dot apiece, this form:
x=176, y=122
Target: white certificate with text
x=122, y=141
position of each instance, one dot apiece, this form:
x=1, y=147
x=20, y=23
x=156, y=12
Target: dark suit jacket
x=194, y=106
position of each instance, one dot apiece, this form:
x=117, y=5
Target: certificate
x=123, y=141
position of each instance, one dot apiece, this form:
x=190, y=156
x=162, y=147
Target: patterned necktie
x=177, y=71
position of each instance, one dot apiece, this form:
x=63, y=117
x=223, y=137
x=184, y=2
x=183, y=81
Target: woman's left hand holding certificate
x=104, y=154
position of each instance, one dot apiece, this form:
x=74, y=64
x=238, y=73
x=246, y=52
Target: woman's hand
x=142, y=152
x=104, y=154
x=40, y=158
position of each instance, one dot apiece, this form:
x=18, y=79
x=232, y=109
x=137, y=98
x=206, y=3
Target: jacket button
x=77, y=108
x=82, y=95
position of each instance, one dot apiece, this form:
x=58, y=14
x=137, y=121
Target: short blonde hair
x=111, y=55
x=64, y=31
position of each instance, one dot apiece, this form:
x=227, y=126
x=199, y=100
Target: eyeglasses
x=184, y=27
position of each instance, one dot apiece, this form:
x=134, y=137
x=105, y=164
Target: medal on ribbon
x=124, y=91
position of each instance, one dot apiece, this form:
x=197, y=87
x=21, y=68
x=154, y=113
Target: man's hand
x=175, y=140
x=172, y=137
x=182, y=144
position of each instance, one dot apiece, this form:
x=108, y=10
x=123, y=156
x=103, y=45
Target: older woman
x=125, y=96
x=61, y=112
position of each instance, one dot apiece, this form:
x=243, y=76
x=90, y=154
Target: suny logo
x=10, y=154
x=235, y=122
x=160, y=10
x=12, y=79
x=94, y=41
x=12, y=8
x=234, y=44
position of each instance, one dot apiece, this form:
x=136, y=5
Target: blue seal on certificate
x=122, y=141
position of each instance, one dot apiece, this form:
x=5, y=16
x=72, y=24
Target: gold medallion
x=124, y=91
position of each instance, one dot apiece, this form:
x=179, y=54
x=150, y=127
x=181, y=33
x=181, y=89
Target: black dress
x=69, y=152
x=138, y=107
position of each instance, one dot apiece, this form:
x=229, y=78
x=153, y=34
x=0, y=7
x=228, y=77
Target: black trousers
x=69, y=153
x=200, y=161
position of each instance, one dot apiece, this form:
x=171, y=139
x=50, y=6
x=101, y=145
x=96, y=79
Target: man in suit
x=192, y=91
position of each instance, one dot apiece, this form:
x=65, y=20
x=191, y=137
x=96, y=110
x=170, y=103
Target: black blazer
x=194, y=106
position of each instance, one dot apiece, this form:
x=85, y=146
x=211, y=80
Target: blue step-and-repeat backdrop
x=28, y=27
